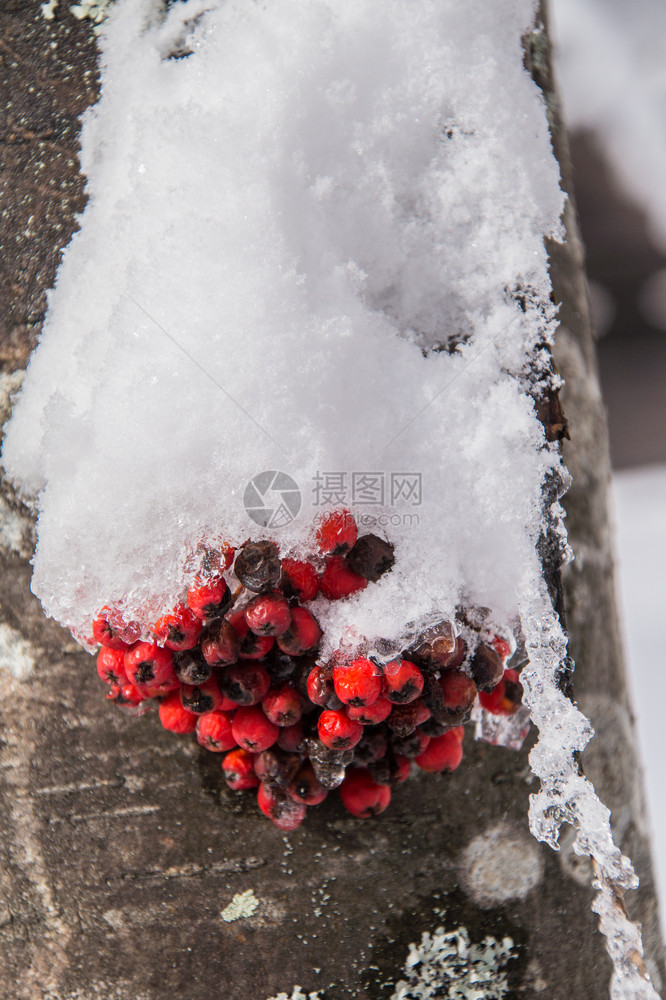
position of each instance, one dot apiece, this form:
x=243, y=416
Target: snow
x=314, y=243
x=640, y=502
x=610, y=65
x=241, y=298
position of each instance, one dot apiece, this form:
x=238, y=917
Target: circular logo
x=272, y=499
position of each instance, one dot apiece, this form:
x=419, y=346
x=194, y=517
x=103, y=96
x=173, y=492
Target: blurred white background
x=611, y=66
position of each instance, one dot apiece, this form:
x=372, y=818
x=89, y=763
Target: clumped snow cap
x=292, y=209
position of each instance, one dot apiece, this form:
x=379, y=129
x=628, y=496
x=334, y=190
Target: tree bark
x=121, y=845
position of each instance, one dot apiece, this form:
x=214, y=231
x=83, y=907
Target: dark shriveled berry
x=411, y=746
x=372, y=746
x=436, y=646
x=279, y=665
x=219, y=643
x=436, y=727
x=191, y=668
x=258, y=567
x=487, y=667
x=201, y=698
x=275, y=767
x=404, y=719
x=370, y=557
x=245, y=682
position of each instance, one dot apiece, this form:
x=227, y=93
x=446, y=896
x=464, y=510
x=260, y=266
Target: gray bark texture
x=121, y=845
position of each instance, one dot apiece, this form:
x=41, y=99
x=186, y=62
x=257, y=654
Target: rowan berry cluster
x=241, y=671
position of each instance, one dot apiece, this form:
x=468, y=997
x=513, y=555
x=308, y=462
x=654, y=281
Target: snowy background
x=610, y=61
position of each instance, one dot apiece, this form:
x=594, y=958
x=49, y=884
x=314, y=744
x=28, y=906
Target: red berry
x=105, y=634
x=362, y=796
x=150, y=669
x=283, y=705
x=111, y=666
x=337, y=533
x=280, y=809
x=358, y=683
x=268, y=614
x=443, y=753
x=503, y=646
x=403, y=681
x=338, y=580
x=174, y=717
x=210, y=599
x=338, y=731
x=458, y=693
x=219, y=643
x=203, y=698
x=178, y=630
x=245, y=682
x=371, y=715
x=291, y=737
x=506, y=698
x=214, y=732
x=303, y=634
x=299, y=580
x=238, y=767
x=126, y=694
x=305, y=787
x=252, y=730
x=252, y=647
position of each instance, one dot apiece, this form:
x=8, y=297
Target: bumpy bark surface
x=120, y=845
